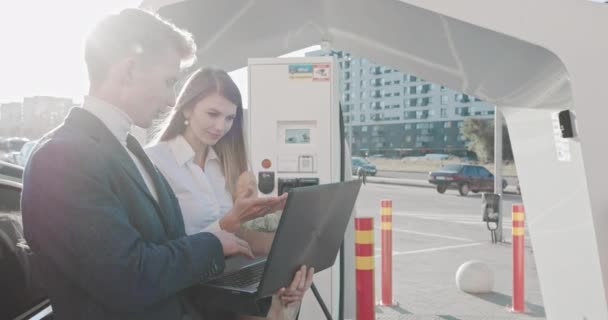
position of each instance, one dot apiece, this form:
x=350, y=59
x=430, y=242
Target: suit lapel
x=89, y=124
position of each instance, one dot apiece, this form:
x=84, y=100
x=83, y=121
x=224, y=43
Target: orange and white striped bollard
x=518, y=258
x=364, y=265
x=386, y=228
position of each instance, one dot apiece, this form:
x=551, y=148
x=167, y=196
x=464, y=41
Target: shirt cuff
x=215, y=226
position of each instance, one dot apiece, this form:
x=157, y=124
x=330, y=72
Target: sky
x=43, y=44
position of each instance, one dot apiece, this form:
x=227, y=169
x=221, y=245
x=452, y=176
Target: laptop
x=310, y=232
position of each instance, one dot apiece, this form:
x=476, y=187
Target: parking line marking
x=434, y=249
x=432, y=235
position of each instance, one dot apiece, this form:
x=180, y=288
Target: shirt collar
x=116, y=120
x=184, y=153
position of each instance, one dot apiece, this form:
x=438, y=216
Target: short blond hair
x=133, y=31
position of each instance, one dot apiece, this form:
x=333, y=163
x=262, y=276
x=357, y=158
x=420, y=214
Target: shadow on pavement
x=500, y=299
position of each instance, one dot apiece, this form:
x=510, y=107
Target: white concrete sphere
x=475, y=277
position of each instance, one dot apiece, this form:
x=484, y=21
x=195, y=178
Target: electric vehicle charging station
x=293, y=134
x=532, y=60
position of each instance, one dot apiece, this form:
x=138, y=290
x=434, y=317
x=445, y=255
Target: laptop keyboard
x=243, y=278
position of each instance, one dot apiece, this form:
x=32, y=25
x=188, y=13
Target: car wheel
x=463, y=189
x=441, y=188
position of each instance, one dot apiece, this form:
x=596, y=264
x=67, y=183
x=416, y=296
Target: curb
x=411, y=183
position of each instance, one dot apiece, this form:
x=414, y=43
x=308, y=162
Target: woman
x=200, y=149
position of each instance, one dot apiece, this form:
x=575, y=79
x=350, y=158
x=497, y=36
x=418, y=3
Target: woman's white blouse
x=202, y=195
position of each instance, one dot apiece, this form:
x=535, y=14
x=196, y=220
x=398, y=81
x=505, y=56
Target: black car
x=23, y=296
x=464, y=178
x=361, y=163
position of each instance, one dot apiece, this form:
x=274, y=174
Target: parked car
x=26, y=152
x=23, y=296
x=464, y=178
x=12, y=144
x=10, y=171
x=368, y=167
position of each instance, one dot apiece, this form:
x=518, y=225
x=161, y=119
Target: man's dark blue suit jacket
x=106, y=249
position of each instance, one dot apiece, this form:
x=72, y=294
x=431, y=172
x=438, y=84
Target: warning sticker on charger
x=321, y=72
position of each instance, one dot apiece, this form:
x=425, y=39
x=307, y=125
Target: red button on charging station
x=266, y=163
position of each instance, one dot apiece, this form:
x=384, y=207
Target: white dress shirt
x=202, y=194
x=119, y=124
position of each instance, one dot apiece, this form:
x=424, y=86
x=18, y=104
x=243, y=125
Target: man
x=104, y=225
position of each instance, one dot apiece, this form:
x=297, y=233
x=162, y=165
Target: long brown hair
x=231, y=147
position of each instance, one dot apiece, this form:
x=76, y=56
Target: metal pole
x=498, y=168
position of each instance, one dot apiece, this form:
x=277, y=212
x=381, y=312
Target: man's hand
x=296, y=290
x=233, y=245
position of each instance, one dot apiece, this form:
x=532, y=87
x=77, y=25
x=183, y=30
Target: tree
x=480, y=134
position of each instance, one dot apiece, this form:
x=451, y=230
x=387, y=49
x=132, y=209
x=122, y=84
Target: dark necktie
x=161, y=189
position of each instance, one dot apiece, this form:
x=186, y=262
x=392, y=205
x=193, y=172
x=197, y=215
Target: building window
x=360, y=106
x=397, y=82
x=362, y=119
x=408, y=138
x=425, y=101
x=396, y=106
x=444, y=99
x=347, y=86
x=426, y=88
x=347, y=75
x=396, y=94
x=412, y=78
x=413, y=90
x=445, y=138
x=407, y=126
x=443, y=113
x=443, y=88
x=447, y=124
x=388, y=94
x=409, y=115
x=361, y=83
x=422, y=114
x=413, y=102
x=422, y=125
x=460, y=124
x=463, y=111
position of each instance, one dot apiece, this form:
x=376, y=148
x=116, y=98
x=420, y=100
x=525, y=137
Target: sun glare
x=42, y=45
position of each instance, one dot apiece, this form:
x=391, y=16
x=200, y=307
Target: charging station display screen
x=297, y=136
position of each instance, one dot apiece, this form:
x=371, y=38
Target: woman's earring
x=186, y=122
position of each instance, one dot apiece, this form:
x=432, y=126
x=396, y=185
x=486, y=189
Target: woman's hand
x=246, y=186
x=246, y=209
x=296, y=290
